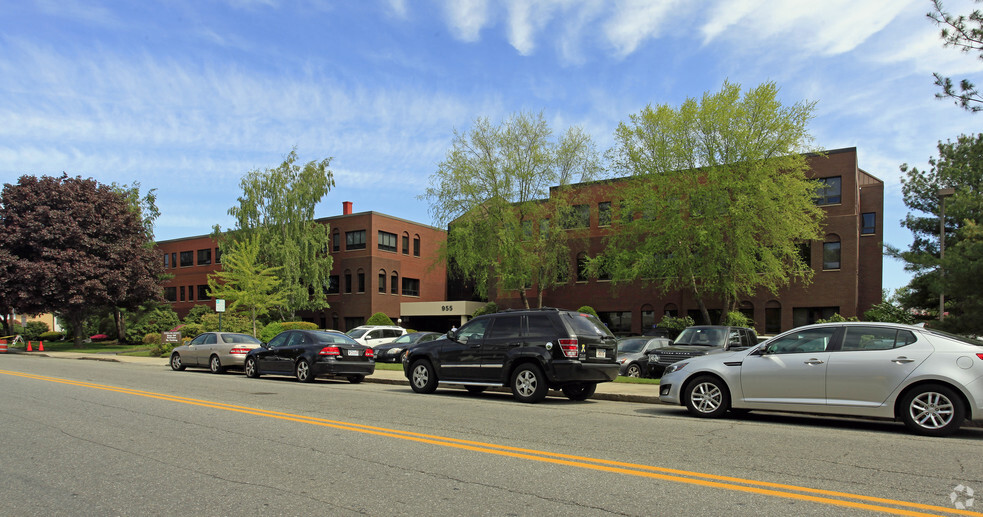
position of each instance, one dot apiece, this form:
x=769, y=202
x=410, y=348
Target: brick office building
x=380, y=262
x=847, y=262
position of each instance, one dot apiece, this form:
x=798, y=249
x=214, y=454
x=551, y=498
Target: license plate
x=601, y=354
x=353, y=352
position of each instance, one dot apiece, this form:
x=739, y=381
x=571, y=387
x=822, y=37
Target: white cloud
x=466, y=18
x=635, y=21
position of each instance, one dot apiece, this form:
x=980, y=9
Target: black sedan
x=393, y=352
x=307, y=354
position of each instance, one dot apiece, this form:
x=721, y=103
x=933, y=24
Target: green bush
x=888, y=312
x=33, y=330
x=298, y=325
x=158, y=319
x=739, y=319
x=836, y=318
x=270, y=331
x=194, y=315
x=52, y=336
x=379, y=318
x=152, y=338
x=231, y=322
x=676, y=324
x=587, y=309
x=161, y=349
x=191, y=331
x=489, y=308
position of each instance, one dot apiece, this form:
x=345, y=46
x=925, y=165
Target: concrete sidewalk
x=619, y=391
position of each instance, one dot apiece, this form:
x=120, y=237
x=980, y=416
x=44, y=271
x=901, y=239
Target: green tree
x=493, y=190
x=379, y=318
x=277, y=209
x=246, y=283
x=963, y=271
x=718, y=200
x=889, y=311
x=964, y=33
x=959, y=166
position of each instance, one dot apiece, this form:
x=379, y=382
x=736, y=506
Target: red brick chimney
x=346, y=207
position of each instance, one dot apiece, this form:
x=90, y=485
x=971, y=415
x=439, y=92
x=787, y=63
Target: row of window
x=356, y=240
x=187, y=258
x=357, y=283
x=180, y=294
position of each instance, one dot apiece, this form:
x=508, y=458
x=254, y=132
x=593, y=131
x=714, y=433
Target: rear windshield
x=357, y=333
x=631, y=346
x=240, y=338
x=587, y=324
x=331, y=337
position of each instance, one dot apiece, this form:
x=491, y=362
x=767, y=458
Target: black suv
x=700, y=340
x=529, y=351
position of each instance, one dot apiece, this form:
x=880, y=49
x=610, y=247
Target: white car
x=372, y=335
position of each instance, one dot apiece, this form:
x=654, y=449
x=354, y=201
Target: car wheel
x=355, y=379
x=707, y=397
x=303, y=371
x=529, y=384
x=176, y=363
x=579, y=390
x=475, y=390
x=633, y=371
x=252, y=369
x=932, y=410
x=423, y=378
x=215, y=365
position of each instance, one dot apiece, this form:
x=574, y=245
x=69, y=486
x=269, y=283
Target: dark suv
x=529, y=351
x=700, y=340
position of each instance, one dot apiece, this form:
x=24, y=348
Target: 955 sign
x=447, y=308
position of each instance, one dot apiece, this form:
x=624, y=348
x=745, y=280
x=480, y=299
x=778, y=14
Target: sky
x=186, y=97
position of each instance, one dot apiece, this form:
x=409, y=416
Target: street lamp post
x=943, y=193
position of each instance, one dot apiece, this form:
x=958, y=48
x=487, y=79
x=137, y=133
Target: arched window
x=831, y=252
x=406, y=243
x=648, y=317
x=773, y=317
x=394, y=283
x=416, y=245
x=747, y=309
x=382, y=281
x=671, y=310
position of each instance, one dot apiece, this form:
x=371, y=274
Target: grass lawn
x=87, y=348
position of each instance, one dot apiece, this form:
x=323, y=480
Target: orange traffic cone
x=41, y=346
x=29, y=349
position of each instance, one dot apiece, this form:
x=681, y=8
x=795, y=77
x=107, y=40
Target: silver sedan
x=216, y=351
x=930, y=380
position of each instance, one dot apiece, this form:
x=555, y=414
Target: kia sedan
x=307, y=354
x=930, y=380
x=216, y=351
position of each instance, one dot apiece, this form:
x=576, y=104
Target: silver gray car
x=930, y=380
x=216, y=351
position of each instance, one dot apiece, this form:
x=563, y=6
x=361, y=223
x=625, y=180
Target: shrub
x=52, y=336
x=191, y=331
x=889, y=313
x=195, y=313
x=836, y=318
x=152, y=338
x=270, y=331
x=98, y=337
x=161, y=349
x=738, y=319
x=231, y=322
x=298, y=325
x=157, y=319
x=676, y=324
x=489, y=308
x=587, y=309
x=379, y=318
x=33, y=329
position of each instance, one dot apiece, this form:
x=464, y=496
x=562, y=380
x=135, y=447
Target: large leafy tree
x=717, y=201
x=959, y=166
x=72, y=247
x=964, y=33
x=245, y=282
x=963, y=274
x=277, y=209
x=493, y=190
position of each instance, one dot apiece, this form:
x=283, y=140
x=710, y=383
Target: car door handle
x=814, y=361
x=902, y=360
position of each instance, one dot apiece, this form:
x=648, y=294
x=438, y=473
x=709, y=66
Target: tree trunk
x=253, y=311
x=120, y=324
x=524, y=298
x=704, y=313
x=727, y=303
x=76, y=321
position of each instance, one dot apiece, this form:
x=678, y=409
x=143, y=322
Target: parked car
x=216, y=351
x=701, y=340
x=632, y=354
x=374, y=335
x=930, y=380
x=530, y=351
x=391, y=352
x=307, y=354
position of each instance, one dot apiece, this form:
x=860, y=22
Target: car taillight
x=239, y=350
x=330, y=350
x=369, y=352
x=980, y=356
x=569, y=347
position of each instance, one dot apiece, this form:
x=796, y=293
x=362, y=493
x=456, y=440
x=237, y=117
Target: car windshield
x=701, y=336
x=240, y=338
x=333, y=338
x=405, y=338
x=631, y=346
x=357, y=333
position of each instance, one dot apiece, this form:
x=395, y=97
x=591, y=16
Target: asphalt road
x=95, y=438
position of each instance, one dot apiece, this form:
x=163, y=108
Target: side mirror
x=452, y=335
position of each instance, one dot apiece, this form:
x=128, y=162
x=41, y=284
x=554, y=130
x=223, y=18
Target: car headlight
x=653, y=358
x=675, y=367
x=622, y=360
x=395, y=351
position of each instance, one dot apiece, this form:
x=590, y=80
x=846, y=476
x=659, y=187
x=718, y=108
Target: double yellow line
x=828, y=497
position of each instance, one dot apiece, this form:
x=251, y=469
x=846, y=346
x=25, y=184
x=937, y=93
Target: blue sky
x=187, y=96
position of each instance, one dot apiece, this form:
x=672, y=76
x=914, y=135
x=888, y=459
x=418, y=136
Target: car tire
x=633, y=370
x=529, y=384
x=355, y=379
x=423, y=378
x=707, y=397
x=579, y=390
x=176, y=363
x=932, y=410
x=476, y=390
x=215, y=365
x=302, y=370
x=252, y=369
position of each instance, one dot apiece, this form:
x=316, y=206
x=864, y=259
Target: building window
x=382, y=281
x=544, y=229
x=581, y=267
x=191, y=293
x=831, y=255
x=181, y=291
x=187, y=258
x=355, y=240
x=527, y=230
x=805, y=253
x=218, y=255
x=387, y=241
x=394, y=283
x=333, y=285
x=604, y=213
x=173, y=259
x=167, y=261
x=411, y=287
x=335, y=241
x=579, y=217
x=348, y=282
x=205, y=257
x=406, y=244
x=361, y=281
x=170, y=293
x=619, y=321
x=869, y=223
x=203, y=292
x=831, y=191
x=416, y=245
